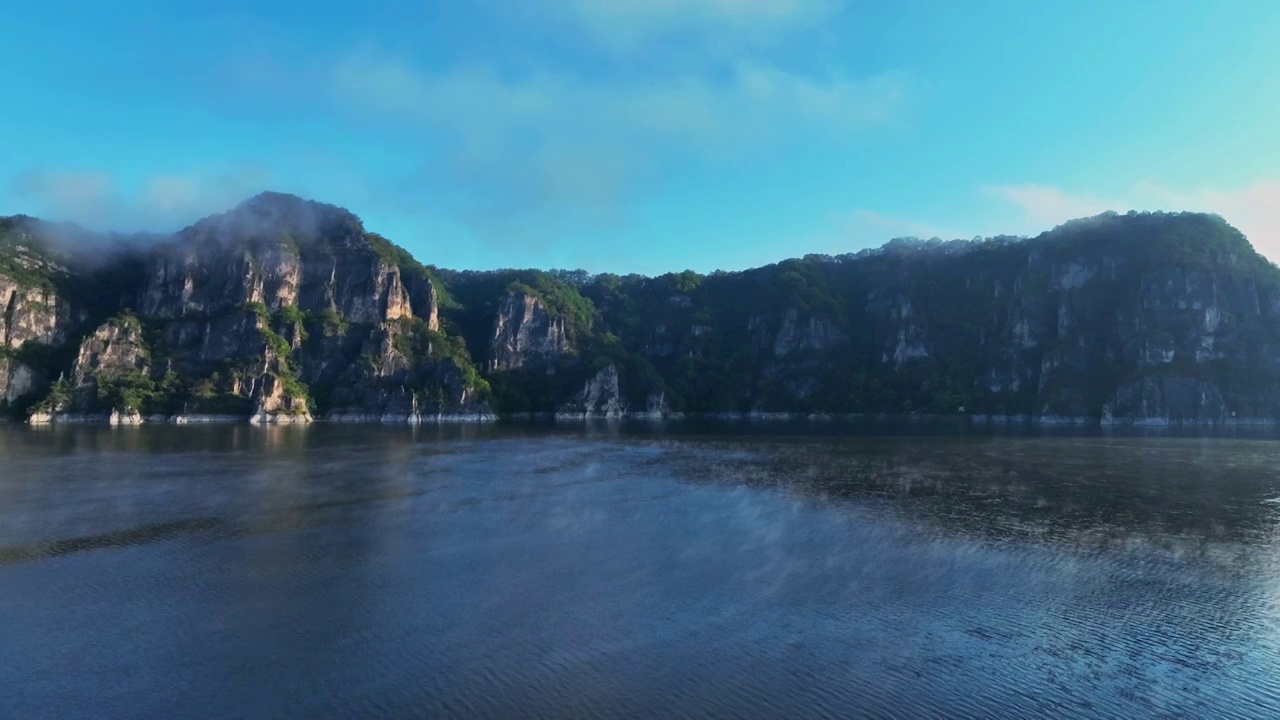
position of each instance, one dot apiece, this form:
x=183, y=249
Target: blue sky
x=646, y=135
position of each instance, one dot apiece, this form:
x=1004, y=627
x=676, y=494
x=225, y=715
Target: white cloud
x=551, y=146
x=1253, y=209
x=88, y=192
x=1044, y=206
x=629, y=25
x=750, y=102
x=100, y=200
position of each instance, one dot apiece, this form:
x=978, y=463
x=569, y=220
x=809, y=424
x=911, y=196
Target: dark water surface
x=377, y=572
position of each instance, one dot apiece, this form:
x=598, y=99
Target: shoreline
x=117, y=419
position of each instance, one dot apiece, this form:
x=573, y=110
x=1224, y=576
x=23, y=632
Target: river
x=606, y=571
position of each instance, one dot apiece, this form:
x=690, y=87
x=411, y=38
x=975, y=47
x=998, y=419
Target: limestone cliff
x=407, y=372
x=282, y=252
x=285, y=310
x=114, y=348
x=601, y=397
x=243, y=312
x=18, y=380
x=526, y=334
x=35, y=313
x=1135, y=318
x=32, y=314
x=280, y=294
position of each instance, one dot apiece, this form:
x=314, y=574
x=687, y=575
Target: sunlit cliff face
x=282, y=308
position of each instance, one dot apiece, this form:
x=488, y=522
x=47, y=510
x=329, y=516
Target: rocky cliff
x=601, y=396
x=35, y=314
x=285, y=310
x=276, y=311
x=526, y=334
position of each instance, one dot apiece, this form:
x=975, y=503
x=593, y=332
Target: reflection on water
x=628, y=572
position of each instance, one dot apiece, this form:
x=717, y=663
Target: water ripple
x=338, y=572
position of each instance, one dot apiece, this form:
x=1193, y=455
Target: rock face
x=17, y=381
x=1167, y=399
x=34, y=313
x=401, y=376
x=113, y=357
x=283, y=310
x=526, y=335
x=812, y=334
x=31, y=314
x=600, y=398
x=281, y=252
x=1140, y=318
x=288, y=293
x=248, y=310
x=114, y=348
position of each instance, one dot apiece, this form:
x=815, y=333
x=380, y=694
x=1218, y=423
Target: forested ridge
x=290, y=310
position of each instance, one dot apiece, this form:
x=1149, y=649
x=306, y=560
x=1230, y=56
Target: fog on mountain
x=287, y=310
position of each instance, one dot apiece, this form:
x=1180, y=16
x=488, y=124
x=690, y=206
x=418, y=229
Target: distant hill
x=287, y=310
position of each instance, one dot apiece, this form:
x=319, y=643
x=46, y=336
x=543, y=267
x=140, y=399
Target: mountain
x=287, y=310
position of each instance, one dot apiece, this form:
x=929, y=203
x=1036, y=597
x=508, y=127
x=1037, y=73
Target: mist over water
x=524, y=572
